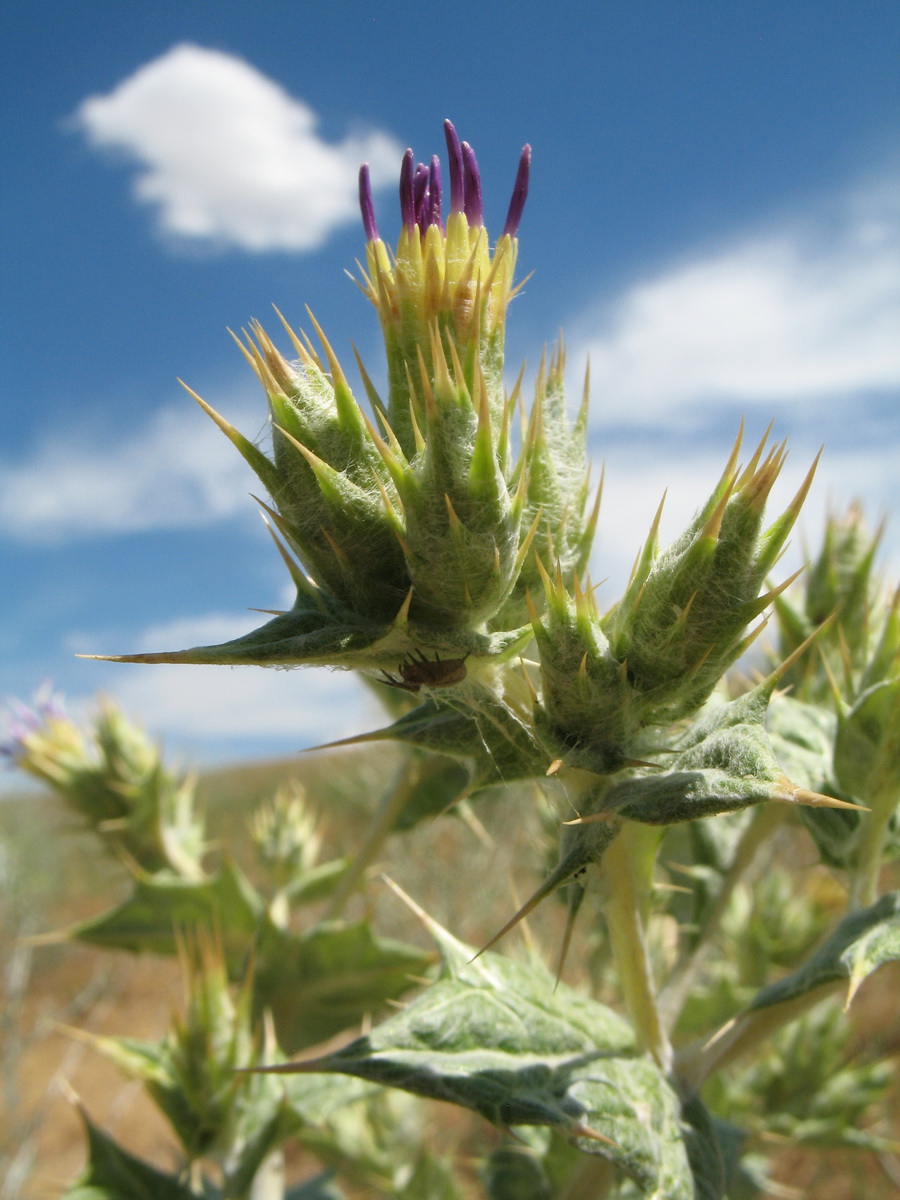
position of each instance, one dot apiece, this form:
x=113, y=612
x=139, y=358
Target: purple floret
x=473, y=207
x=455, y=166
x=519, y=194
x=365, y=204
x=23, y=721
x=434, y=193
x=407, y=190
x=420, y=196
x=420, y=190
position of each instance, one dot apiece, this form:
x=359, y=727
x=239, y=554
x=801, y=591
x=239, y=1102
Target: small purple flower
x=23, y=721
x=420, y=193
x=444, y=268
x=434, y=192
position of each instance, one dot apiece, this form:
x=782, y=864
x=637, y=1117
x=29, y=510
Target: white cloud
x=240, y=710
x=639, y=470
x=807, y=312
x=309, y=706
x=208, y=715
x=207, y=630
x=178, y=471
x=229, y=156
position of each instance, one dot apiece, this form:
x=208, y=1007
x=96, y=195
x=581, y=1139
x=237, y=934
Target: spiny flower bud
x=286, y=833
x=197, y=1075
x=867, y=745
x=658, y=654
x=334, y=495
x=683, y=619
x=405, y=542
x=584, y=714
x=114, y=777
x=558, y=485
x=843, y=583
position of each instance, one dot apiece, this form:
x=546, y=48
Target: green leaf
x=435, y=784
x=318, y=983
x=705, y=1151
x=320, y=1187
x=317, y=883
x=160, y=907
x=114, y=1174
x=497, y=1038
x=861, y=943
x=725, y=762
x=516, y=1173
x=318, y=631
x=867, y=747
x=803, y=737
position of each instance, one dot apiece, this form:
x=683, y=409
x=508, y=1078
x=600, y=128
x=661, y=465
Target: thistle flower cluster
x=408, y=533
x=683, y=620
x=427, y=549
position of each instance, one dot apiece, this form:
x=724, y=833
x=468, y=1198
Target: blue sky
x=714, y=216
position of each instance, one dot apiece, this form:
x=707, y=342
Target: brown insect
x=417, y=671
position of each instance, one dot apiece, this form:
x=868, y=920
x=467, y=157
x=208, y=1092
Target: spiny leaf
x=862, y=942
x=318, y=983
x=114, y=1174
x=495, y=1037
x=148, y=921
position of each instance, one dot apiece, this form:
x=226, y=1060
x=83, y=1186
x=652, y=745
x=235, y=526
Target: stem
x=268, y=1182
x=864, y=883
x=628, y=867
x=389, y=808
x=676, y=991
x=696, y=1063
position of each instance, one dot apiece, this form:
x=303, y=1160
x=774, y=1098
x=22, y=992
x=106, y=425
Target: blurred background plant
x=821, y=1082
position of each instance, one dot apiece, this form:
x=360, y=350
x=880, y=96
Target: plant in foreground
x=437, y=552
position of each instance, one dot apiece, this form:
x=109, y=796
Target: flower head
x=442, y=275
x=113, y=776
x=408, y=534
x=30, y=729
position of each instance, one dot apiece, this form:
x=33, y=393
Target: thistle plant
x=439, y=539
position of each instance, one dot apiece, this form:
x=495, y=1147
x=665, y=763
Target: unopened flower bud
x=685, y=614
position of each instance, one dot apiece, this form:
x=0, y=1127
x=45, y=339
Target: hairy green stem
x=864, y=882
x=628, y=870
x=694, y=1064
x=268, y=1182
x=676, y=991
